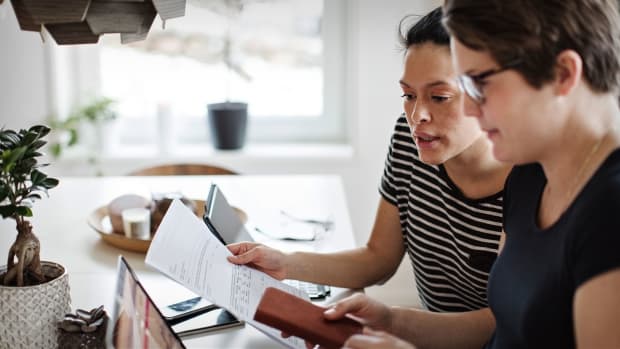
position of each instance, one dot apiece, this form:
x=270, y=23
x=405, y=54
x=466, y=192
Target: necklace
x=584, y=165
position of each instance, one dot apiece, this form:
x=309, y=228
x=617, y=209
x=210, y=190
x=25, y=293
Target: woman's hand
x=370, y=339
x=260, y=257
x=364, y=309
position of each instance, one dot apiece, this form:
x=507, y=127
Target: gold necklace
x=584, y=165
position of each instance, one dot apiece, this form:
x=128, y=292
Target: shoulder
x=402, y=131
x=604, y=190
x=402, y=143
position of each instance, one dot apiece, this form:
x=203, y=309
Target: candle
x=137, y=223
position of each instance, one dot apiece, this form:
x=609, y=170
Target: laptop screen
x=138, y=323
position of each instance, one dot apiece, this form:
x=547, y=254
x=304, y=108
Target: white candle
x=137, y=223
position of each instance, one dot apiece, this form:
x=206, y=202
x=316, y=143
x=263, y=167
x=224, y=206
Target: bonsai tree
x=21, y=183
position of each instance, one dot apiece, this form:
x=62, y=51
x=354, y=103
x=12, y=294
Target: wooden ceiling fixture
x=72, y=22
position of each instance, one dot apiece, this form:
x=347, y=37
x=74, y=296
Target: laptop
x=226, y=225
x=139, y=323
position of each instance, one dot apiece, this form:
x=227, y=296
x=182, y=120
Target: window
x=285, y=58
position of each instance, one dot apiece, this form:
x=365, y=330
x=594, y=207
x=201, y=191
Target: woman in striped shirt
x=441, y=194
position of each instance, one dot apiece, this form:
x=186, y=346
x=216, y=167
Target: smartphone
x=186, y=309
x=214, y=320
x=222, y=220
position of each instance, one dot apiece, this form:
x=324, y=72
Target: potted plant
x=96, y=116
x=96, y=113
x=34, y=294
x=228, y=120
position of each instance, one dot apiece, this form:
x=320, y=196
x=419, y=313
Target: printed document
x=185, y=250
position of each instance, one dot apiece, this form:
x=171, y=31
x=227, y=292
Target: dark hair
x=427, y=29
x=534, y=32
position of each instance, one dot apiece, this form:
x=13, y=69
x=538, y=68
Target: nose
x=419, y=114
x=471, y=108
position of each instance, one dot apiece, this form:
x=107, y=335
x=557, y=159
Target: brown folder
x=301, y=318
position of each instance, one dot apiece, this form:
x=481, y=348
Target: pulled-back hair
x=534, y=32
x=428, y=29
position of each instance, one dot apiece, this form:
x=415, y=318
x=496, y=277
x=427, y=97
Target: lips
x=425, y=140
x=491, y=133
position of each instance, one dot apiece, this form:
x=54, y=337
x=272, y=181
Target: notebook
x=137, y=322
x=226, y=225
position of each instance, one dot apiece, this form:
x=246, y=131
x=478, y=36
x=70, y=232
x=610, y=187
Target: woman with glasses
x=441, y=194
x=542, y=79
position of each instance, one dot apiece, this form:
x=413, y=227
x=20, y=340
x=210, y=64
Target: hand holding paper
x=185, y=250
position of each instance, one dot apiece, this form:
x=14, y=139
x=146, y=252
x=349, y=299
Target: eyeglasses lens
x=468, y=86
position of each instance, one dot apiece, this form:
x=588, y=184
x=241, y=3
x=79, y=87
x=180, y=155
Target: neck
x=476, y=172
x=589, y=136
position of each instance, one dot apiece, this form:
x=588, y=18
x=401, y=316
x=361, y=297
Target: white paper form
x=185, y=250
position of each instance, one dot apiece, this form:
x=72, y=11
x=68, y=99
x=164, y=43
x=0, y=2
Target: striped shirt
x=452, y=241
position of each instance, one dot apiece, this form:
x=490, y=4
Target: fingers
x=240, y=252
x=364, y=341
x=308, y=344
x=244, y=257
x=370, y=339
x=241, y=247
x=351, y=304
x=369, y=331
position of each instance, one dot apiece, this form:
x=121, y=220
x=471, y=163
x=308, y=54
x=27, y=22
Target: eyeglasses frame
x=465, y=80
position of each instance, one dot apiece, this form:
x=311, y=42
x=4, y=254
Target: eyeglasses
x=472, y=84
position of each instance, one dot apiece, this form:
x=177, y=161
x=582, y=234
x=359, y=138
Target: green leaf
x=37, y=177
x=25, y=166
x=4, y=192
x=50, y=183
x=23, y=211
x=34, y=196
x=37, y=144
x=9, y=138
x=7, y=211
x=17, y=154
x=28, y=138
x=41, y=130
x=7, y=160
x=73, y=137
x=56, y=150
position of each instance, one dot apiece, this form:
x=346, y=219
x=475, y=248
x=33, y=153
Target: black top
x=534, y=280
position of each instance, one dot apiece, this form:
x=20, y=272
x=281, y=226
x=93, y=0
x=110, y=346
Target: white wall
x=23, y=98
x=373, y=105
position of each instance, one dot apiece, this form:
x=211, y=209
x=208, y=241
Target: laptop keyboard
x=315, y=291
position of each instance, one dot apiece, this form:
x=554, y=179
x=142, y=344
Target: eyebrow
x=432, y=84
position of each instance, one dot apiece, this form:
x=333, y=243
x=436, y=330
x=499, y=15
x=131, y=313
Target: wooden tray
x=99, y=220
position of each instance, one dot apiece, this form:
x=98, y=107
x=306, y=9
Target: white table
x=60, y=223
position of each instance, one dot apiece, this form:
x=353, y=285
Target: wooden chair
x=183, y=170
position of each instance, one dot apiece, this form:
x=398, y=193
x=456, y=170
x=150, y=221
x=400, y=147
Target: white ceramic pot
x=29, y=314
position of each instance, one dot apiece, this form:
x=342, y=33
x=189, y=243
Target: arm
x=426, y=329
x=355, y=268
x=422, y=328
x=597, y=311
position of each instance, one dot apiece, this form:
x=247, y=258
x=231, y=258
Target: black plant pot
x=228, y=123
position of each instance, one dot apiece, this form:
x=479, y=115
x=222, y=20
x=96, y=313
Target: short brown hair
x=534, y=32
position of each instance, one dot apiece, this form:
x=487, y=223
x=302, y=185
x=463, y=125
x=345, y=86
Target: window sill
x=202, y=152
